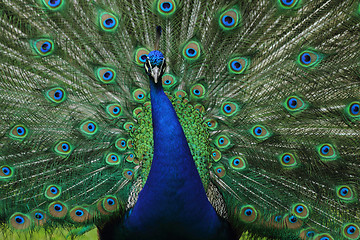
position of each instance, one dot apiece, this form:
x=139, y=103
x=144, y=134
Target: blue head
x=155, y=65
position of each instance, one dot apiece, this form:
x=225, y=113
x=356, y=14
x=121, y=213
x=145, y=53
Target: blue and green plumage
x=252, y=126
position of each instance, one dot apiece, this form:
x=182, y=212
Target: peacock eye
x=139, y=95
x=237, y=163
x=345, y=193
x=300, y=210
x=53, y=4
x=309, y=58
x=110, y=204
x=57, y=209
x=19, y=221
x=89, y=127
x=130, y=157
x=310, y=234
x=324, y=236
x=112, y=159
x=220, y=170
x=106, y=75
x=166, y=7
x=260, y=132
x=327, y=152
x=114, y=110
x=211, y=124
x=294, y=104
x=197, y=91
x=229, y=108
x=191, y=51
x=121, y=144
x=5, y=172
x=222, y=141
x=229, y=19
x=288, y=160
x=79, y=214
x=108, y=22
x=168, y=80
x=248, y=214
x=52, y=192
x=351, y=231
x=128, y=173
x=63, y=148
x=43, y=47
x=238, y=65
x=18, y=132
x=288, y=4
x=39, y=216
x=56, y=95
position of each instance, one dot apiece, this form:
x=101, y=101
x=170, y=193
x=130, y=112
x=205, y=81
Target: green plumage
x=267, y=92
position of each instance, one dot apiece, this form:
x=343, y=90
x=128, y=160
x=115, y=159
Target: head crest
x=156, y=58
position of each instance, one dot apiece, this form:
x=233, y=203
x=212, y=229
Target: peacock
x=181, y=119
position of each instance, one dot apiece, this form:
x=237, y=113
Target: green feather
x=267, y=93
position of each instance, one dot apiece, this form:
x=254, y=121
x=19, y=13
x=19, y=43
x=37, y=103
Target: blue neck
x=173, y=194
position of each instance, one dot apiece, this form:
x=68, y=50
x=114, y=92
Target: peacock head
x=155, y=65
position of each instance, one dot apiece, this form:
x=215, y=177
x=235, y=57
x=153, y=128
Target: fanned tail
x=267, y=93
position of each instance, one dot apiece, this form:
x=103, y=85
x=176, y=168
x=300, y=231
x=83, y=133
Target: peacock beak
x=155, y=73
